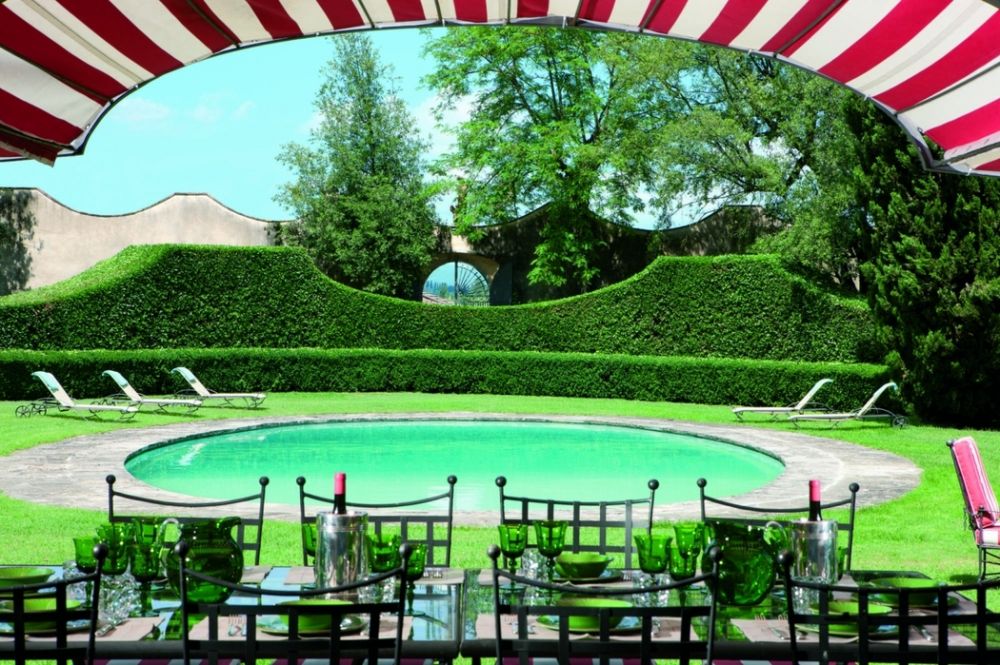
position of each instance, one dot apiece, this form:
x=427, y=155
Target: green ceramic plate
x=627, y=625
x=273, y=625
x=918, y=597
x=20, y=575
x=850, y=627
x=71, y=627
x=34, y=605
x=606, y=576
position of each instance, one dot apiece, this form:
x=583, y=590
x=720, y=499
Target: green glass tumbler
x=144, y=563
x=683, y=565
x=654, y=552
x=309, y=538
x=83, y=547
x=118, y=536
x=689, y=537
x=513, y=540
x=383, y=552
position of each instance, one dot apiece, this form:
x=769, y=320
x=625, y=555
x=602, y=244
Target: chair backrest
x=123, y=385
x=600, y=518
x=915, y=630
x=552, y=618
x=249, y=531
x=433, y=528
x=867, y=406
x=812, y=393
x=47, y=603
x=980, y=500
x=55, y=388
x=768, y=514
x=356, y=631
x=192, y=380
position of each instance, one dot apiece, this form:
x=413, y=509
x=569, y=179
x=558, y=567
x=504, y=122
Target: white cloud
x=244, y=109
x=137, y=112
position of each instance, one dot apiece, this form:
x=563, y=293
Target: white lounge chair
x=251, y=400
x=775, y=411
x=135, y=398
x=868, y=411
x=63, y=402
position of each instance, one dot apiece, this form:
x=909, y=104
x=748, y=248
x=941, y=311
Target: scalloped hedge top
x=173, y=296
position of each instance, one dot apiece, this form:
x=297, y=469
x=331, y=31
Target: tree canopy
x=364, y=209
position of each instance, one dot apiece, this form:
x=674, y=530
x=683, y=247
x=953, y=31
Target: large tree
x=364, y=210
x=935, y=272
x=557, y=118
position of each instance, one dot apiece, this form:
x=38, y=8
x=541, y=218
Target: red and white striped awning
x=932, y=64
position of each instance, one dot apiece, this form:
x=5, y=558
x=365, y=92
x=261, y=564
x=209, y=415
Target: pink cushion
x=979, y=497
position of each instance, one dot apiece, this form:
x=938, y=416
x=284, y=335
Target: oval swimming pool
x=399, y=460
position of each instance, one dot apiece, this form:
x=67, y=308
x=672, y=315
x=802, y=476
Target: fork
x=237, y=624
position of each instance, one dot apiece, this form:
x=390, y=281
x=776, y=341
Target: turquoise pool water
x=389, y=461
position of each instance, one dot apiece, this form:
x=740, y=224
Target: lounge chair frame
x=803, y=405
x=61, y=401
x=981, y=508
x=249, y=400
x=132, y=396
x=867, y=411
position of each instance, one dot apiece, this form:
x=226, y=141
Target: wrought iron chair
x=663, y=631
x=981, y=506
x=768, y=514
x=27, y=607
x=423, y=528
x=249, y=531
x=581, y=519
x=913, y=631
x=335, y=632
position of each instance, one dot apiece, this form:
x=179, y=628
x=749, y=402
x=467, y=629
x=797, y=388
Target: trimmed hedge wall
x=203, y=297
x=707, y=381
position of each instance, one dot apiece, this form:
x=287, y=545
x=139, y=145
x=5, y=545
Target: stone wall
x=63, y=242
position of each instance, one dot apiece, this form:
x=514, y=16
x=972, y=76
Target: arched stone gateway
x=930, y=64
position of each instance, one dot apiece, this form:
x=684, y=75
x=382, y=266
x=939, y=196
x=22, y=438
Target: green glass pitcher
x=747, y=566
x=212, y=551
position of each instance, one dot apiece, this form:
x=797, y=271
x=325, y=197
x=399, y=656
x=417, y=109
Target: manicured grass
x=924, y=530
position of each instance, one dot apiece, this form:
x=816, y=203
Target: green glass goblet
x=689, y=537
x=513, y=540
x=144, y=563
x=654, y=553
x=414, y=571
x=383, y=552
x=551, y=538
x=83, y=546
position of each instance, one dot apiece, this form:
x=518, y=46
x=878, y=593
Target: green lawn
x=923, y=530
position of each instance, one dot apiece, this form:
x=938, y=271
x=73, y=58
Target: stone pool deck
x=71, y=472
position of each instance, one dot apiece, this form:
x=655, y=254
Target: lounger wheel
x=899, y=421
x=23, y=411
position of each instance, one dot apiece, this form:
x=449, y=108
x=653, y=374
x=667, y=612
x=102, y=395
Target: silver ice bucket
x=340, y=548
x=814, y=558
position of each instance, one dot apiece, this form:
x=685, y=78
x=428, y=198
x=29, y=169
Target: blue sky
x=213, y=127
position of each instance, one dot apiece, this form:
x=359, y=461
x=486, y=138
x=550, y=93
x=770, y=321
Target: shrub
x=206, y=297
x=707, y=380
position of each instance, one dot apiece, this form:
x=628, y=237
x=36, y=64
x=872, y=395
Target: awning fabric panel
x=932, y=64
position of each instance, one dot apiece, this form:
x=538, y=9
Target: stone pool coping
x=71, y=472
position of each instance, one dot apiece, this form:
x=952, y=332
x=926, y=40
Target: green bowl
x=312, y=623
x=582, y=565
x=923, y=591
x=34, y=605
x=850, y=608
x=586, y=623
x=20, y=575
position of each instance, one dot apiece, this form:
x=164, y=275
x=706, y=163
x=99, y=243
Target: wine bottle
x=815, y=510
x=340, y=493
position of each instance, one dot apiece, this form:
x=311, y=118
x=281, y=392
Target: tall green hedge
x=265, y=297
x=707, y=381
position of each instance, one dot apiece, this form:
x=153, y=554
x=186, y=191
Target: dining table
x=432, y=628
x=451, y=615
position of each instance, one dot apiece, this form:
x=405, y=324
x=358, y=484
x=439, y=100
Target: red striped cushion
x=979, y=495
